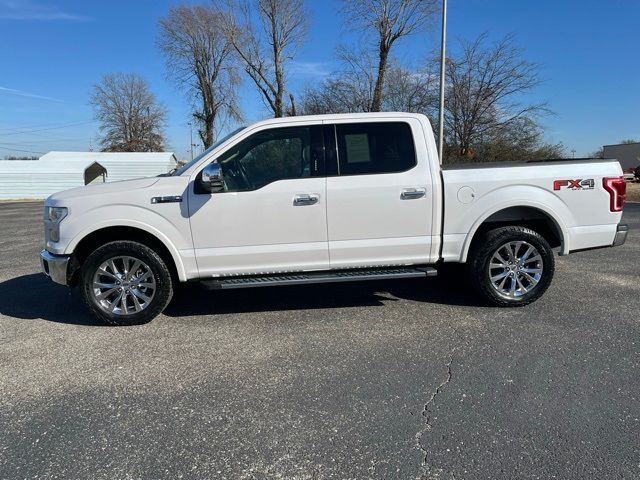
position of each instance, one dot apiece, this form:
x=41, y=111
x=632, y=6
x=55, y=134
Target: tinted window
x=375, y=148
x=267, y=156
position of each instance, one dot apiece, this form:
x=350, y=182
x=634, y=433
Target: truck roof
x=340, y=116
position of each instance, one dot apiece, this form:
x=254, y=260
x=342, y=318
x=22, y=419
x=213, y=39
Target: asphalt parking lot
x=405, y=379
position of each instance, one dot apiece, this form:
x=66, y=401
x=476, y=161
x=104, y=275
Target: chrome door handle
x=302, y=200
x=411, y=193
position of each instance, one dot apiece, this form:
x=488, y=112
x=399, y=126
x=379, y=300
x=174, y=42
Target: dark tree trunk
x=278, y=112
x=376, y=101
x=279, y=94
x=206, y=133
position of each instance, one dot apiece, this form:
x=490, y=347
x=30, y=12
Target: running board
x=354, y=275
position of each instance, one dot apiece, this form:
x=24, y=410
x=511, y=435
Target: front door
x=271, y=217
x=379, y=196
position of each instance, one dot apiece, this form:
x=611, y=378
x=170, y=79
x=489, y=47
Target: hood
x=101, y=189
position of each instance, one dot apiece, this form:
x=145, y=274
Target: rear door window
x=370, y=148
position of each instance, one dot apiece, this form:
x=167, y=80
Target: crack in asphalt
x=426, y=469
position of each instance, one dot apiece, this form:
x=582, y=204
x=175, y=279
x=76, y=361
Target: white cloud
x=20, y=93
x=309, y=69
x=28, y=10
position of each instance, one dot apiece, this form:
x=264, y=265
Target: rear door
x=379, y=193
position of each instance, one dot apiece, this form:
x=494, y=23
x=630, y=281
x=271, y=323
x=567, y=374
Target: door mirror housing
x=212, y=180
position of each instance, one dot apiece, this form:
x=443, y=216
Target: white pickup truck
x=327, y=199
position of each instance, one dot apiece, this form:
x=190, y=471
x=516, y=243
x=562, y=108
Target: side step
x=352, y=275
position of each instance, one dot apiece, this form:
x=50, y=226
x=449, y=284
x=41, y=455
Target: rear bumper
x=618, y=239
x=621, y=235
x=588, y=237
x=55, y=266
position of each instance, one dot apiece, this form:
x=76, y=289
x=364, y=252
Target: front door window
x=267, y=157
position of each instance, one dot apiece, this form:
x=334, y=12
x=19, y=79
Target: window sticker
x=357, y=148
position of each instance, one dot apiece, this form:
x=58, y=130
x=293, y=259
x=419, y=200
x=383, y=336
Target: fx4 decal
x=588, y=184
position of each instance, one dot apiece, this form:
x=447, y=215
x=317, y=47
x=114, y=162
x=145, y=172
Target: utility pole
x=191, y=139
x=442, y=75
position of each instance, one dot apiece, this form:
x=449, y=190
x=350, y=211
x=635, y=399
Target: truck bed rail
x=523, y=163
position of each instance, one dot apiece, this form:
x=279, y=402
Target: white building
x=56, y=171
x=34, y=179
x=121, y=165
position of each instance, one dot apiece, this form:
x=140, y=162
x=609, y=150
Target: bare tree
x=410, y=91
x=131, y=120
x=346, y=91
x=388, y=21
x=200, y=59
x=521, y=139
x=265, y=35
x=484, y=90
x=352, y=90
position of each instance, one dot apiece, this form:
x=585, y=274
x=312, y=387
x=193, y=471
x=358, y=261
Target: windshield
x=186, y=166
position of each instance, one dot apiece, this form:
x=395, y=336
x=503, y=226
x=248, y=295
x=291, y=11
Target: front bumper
x=621, y=235
x=55, y=266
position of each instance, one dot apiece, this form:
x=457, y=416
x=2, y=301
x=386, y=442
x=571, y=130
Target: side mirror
x=212, y=180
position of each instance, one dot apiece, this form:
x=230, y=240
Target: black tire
x=482, y=253
x=163, y=287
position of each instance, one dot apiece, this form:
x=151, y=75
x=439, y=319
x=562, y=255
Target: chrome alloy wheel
x=123, y=285
x=515, y=269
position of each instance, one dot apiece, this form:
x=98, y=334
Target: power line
x=22, y=151
x=4, y=130
x=48, y=128
x=29, y=143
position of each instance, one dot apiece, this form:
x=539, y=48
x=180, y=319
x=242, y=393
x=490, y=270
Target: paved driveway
x=375, y=380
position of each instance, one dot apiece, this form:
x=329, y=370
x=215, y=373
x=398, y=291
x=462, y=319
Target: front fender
x=141, y=218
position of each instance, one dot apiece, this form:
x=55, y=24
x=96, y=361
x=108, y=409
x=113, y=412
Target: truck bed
x=478, y=192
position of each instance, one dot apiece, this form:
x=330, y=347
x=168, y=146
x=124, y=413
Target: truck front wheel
x=511, y=266
x=125, y=283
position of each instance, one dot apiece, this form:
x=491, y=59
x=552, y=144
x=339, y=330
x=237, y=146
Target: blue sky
x=52, y=53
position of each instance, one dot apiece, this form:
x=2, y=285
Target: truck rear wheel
x=125, y=283
x=511, y=266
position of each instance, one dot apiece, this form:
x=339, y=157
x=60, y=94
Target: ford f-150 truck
x=327, y=198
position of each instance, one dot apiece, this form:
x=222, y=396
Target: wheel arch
x=536, y=217
x=87, y=242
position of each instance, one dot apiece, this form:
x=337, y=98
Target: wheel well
x=110, y=234
x=528, y=217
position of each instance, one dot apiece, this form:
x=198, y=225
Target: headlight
x=52, y=218
x=55, y=214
